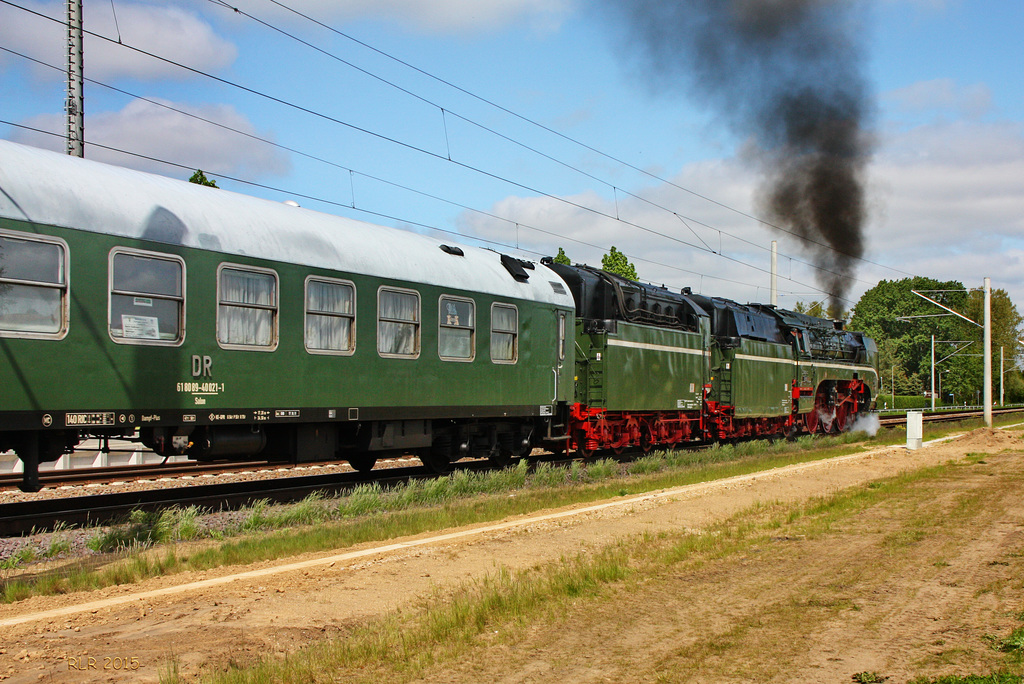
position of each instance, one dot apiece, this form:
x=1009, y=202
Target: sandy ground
x=868, y=609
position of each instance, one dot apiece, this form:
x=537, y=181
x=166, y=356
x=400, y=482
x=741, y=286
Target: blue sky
x=945, y=184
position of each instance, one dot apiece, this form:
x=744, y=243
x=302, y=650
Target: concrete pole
x=775, y=273
x=988, y=352
x=75, y=105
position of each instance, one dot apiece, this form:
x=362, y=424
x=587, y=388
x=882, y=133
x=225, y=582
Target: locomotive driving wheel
x=811, y=421
x=826, y=418
x=824, y=412
x=842, y=414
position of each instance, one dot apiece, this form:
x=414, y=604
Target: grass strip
x=500, y=607
x=403, y=645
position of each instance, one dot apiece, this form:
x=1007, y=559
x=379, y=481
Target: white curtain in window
x=329, y=297
x=503, y=347
x=244, y=287
x=504, y=327
x=397, y=335
x=329, y=311
x=241, y=324
x=455, y=343
x=328, y=332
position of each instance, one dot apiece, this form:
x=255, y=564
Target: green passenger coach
x=222, y=326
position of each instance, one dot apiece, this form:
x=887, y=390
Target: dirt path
x=208, y=620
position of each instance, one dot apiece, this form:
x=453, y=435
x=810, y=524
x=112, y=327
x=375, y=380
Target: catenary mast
x=75, y=105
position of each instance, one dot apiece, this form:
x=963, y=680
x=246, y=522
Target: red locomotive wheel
x=827, y=419
x=841, y=423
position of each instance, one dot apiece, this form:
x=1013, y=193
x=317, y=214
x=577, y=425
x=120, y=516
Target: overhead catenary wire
x=614, y=188
x=352, y=174
x=391, y=217
x=570, y=139
x=537, y=191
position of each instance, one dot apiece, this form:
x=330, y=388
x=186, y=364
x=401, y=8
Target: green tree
x=199, y=178
x=907, y=343
x=617, y=263
x=814, y=309
x=1006, y=333
x=562, y=258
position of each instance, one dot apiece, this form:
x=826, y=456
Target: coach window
x=33, y=286
x=504, y=333
x=456, y=329
x=330, y=316
x=398, y=323
x=147, y=302
x=247, y=311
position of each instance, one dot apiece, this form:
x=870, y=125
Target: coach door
x=562, y=349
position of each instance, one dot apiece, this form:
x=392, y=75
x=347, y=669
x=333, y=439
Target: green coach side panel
x=762, y=379
x=641, y=368
x=110, y=374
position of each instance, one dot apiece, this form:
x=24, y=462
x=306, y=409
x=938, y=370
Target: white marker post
x=915, y=429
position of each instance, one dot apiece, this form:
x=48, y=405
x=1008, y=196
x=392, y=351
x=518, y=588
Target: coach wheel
x=363, y=463
x=500, y=458
x=435, y=461
x=646, y=441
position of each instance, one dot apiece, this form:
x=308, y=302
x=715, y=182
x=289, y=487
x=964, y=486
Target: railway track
x=109, y=474
x=945, y=416
x=21, y=517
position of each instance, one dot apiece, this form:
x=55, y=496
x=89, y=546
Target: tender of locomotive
x=223, y=326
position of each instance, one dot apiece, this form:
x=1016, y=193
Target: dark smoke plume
x=786, y=74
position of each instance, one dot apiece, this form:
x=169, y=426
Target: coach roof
x=53, y=189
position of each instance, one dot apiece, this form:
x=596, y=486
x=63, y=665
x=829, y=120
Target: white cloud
x=944, y=95
x=161, y=133
x=168, y=31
